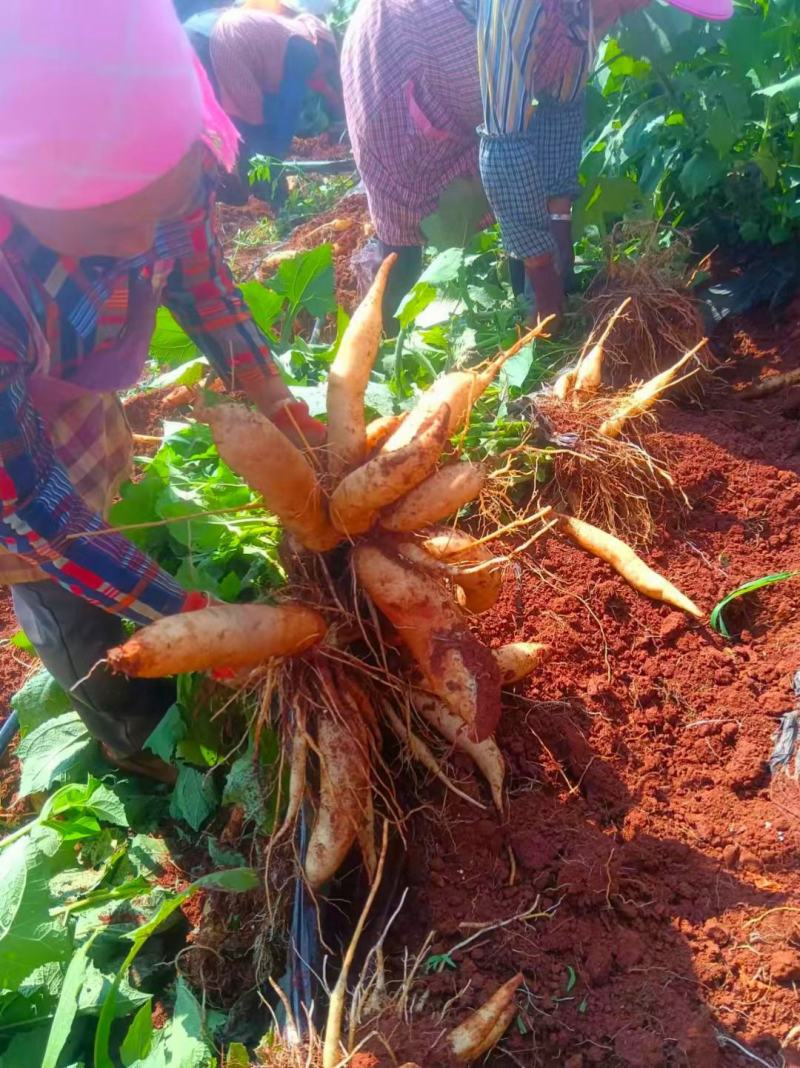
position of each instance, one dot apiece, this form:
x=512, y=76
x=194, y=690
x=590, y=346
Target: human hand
x=292, y=418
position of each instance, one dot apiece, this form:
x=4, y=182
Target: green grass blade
x=717, y=620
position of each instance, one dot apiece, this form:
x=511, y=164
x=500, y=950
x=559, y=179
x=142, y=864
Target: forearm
x=57, y=531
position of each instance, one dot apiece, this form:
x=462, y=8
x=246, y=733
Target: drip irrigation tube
x=7, y=731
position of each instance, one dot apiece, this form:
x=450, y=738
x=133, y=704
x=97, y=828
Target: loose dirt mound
x=318, y=148
x=347, y=228
x=642, y=827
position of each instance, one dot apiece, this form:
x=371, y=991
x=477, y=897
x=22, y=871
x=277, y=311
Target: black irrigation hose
x=7, y=731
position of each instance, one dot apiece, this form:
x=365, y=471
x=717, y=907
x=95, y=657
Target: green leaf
x=67, y=1007
x=170, y=345
x=224, y=858
x=700, y=172
x=237, y=1056
x=415, y=302
x=516, y=370
x=105, y=804
x=243, y=787
x=187, y=1043
x=194, y=797
x=307, y=282
x=717, y=621
x=148, y=854
x=722, y=132
x=236, y=881
x=51, y=750
x=461, y=207
x=265, y=304
x=21, y=641
x=170, y=731
x=26, y=1048
x=139, y=1038
x=790, y=86
x=28, y=936
x=185, y=374
x=40, y=699
x=444, y=268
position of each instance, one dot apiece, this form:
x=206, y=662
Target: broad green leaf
x=26, y=1048
x=28, y=935
x=444, y=268
x=188, y=1044
x=194, y=797
x=224, y=858
x=414, y=302
x=67, y=1005
x=265, y=304
x=237, y=1056
x=307, y=282
x=21, y=641
x=244, y=787
x=148, y=854
x=185, y=374
x=461, y=207
x=139, y=1038
x=51, y=750
x=40, y=699
x=170, y=345
x=790, y=86
x=170, y=731
x=105, y=804
x=516, y=370
x=236, y=880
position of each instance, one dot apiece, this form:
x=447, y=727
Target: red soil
x=642, y=825
x=321, y=147
x=324, y=229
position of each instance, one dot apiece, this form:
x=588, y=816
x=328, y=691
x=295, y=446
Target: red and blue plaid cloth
x=57, y=476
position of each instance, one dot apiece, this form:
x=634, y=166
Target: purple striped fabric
x=413, y=103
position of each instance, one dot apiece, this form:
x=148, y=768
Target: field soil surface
x=661, y=860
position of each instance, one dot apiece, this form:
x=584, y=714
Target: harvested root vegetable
x=349, y=375
x=297, y=775
x=272, y=466
x=459, y=390
x=486, y=1026
x=625, y=561
x=439, y=496
x=517, y=660
x=589, y=372
x=485, y=755
x=457, y=667
x=380, y=430
x=772, y=384
x=385, y=478
x=345, y=794
x=472, y=567
x=565, y=383
x=223, y=636
x=643, y=398
x=421, y=753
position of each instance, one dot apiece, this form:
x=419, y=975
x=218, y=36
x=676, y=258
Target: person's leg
x=557, y=129
x=71, y=636
x=403, y=276
x=516, y=275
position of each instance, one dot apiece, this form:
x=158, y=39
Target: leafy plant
x=696, y=120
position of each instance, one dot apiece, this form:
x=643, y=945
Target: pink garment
x=248, y=46
x=97, y=100
x=413, y=101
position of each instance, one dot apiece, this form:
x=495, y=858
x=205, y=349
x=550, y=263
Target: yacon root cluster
x=381, y=638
